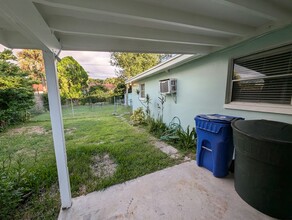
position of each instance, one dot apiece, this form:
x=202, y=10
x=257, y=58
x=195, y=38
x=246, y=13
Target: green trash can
x=263, y=165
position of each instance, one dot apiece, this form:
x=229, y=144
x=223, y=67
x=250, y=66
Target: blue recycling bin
x=215, y=142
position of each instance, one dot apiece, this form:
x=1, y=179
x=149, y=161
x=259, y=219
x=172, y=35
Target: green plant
x=186, y=139
x=138, y=116
x=46, y=101
x=147, y=101
x=138, y=92
x=156, y=126
x=162, y=100
x=16, y=185
x=73, y=79
x=16, y=93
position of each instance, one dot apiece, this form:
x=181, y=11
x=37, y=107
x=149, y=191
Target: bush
x=156, y=126
x=16, y=93
x=46, y=101
x=186, y=139
x=92, y=99
x=15, y=186
x=138, y=117
x=175, y=134
x=10, y=195
x=20, y=181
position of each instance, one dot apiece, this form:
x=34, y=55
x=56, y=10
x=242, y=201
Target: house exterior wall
x=201, y=84
x=128, y=99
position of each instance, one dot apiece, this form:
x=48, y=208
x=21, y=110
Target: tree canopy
x=32, y=61
x=131, y=64
x=73, y=78
x=16, y=93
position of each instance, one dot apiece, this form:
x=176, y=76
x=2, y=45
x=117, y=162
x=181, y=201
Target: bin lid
x=267, y=130
x=218, y=118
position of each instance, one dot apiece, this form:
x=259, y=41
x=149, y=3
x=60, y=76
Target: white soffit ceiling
x=165, y=26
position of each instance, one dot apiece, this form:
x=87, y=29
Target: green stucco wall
x=202, y=83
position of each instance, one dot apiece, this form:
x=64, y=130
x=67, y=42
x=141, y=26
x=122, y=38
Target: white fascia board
x=170, y=64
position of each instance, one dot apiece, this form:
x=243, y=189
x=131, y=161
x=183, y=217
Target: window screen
x=142, y=90
x=264, y=77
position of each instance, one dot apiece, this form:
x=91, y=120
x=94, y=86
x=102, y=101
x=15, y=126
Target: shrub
x=16, y=93
x=138, y=116
x=20, y=181
x=15, y=186
x=92, y=99
x=175, y=134
x=186, y=139
x=156, y=126
x=46, y=101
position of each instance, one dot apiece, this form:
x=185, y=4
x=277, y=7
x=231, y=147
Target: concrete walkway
x=182, y=192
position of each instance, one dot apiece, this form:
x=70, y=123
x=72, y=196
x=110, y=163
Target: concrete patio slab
x=182, y=192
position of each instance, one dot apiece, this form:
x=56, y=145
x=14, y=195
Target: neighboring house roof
x=39, y=88
x=165, y=66
x=109, y=86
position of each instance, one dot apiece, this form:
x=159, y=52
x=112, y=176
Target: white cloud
x=97, y=64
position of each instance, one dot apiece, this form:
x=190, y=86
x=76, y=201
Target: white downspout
x=57, y=128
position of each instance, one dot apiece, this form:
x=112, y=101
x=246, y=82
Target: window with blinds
x=265, y=77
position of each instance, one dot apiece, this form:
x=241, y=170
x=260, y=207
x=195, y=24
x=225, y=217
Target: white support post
x=57, y=128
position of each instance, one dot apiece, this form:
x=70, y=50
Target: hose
x=171, y=132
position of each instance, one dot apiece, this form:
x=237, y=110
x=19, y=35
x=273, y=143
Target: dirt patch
x=82, y=190
x=69, y=130
x=28, y=130
x=103, y=166
x=26, y=152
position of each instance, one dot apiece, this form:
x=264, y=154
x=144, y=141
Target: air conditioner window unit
x=168, y=86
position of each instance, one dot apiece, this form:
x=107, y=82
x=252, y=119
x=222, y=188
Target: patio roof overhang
x=170, y=26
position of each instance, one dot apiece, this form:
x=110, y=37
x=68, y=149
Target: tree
x=73, y=78
x=120, y=89
x=32, y=61
x=111, y=80
x=97, y=93
x=95, y=81
x=131, y=64
x=7, y=55
x=16, y=93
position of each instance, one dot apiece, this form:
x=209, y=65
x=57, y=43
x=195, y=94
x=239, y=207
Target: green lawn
x=27, y=159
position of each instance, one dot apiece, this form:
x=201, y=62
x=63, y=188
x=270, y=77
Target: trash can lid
x=218, y=118
x=265, y=130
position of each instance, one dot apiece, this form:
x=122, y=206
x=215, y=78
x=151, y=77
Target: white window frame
x=142, y=94
x=252, y=106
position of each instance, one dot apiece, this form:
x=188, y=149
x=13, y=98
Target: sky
x=96, y=64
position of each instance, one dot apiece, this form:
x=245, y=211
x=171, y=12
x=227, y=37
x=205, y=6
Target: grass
x=29, y=157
